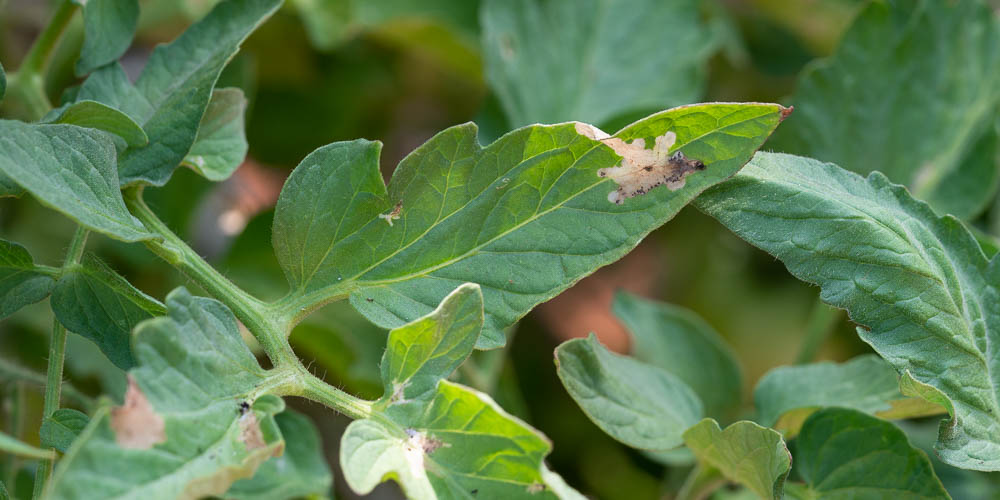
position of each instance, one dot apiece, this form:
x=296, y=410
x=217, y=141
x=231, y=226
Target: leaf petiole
x=255, y=314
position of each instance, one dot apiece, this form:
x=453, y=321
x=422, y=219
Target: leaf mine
x=135, y=424
x=643, y=169
x=250, y=433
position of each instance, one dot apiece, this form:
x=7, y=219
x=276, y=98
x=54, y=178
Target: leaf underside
x=183, y=431
x=919, y=283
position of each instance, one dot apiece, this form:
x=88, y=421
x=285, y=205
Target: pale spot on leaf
x=135, y=424
x=643, y=169
x=589, y=131
x=391, y=216
x=534, y=488
x=250, y=434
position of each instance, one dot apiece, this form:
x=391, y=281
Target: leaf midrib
x=352, y=284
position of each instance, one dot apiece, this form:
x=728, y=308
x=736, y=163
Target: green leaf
x=3, y=82
x=21, y=283
x=13, y=446
x=433, y=346
x=185, y=430
x=525, y=217
x=940, y=63
x=221, y=144
x=92, y=114
x=844, y=453
x=866, y=383
x=60, y=429
x=439, y=439
x=920, y=284
x=99, y=304
x=72, y=170
x=108, y=27
x=328, y=24
x=682, y=343
x=640, y=405
x=301, y=471
x=552, y=61
x=173, y=92
x=744, y=452
x=967, y=191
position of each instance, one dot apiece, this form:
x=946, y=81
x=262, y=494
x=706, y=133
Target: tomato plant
x=190, y=363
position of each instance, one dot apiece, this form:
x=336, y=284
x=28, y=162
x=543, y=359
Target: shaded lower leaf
x=221, y=144
x=60, y=429
x=524, y=217
x=192, y=423
x=21, y=283
x=299, y=472
x=108, y=26
x=640, y=405
x=746, y=453
x=844, y=453
x=3, y=82
x=929, y=299
x=682, y=343
x=439, y=439
x=174, y=90
x=70, y=169
x=866, y=383
x=92, y=114
x=584, y=73
x=940, y=63
x=95, y=302
x=972, y=187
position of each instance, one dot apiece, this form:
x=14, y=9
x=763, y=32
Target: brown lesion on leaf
x=135, y=424
x=250, y=434
x=643, y=169
x=786, y=111
x=423, y=441
x=394, y=214
x=534, y=488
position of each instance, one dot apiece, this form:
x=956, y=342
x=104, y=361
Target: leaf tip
x=785, y=112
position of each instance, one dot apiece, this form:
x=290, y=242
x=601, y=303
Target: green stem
x=319, y=391
x=14, y=372
x=289, y=377
x=57, y=355
x=27, y=85
x=256, y=315
x=41, y=51
x=701, y=482
x=820, y=324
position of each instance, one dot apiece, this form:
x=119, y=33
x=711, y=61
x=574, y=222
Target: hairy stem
x=57, y=355
x=319, y=391
x=26, y=87
x=289, y=377
x=255, y=314
x=13, y=372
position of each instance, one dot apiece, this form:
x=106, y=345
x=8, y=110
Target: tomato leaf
x=926, y=295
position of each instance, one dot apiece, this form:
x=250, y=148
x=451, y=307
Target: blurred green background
x=399, y=72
